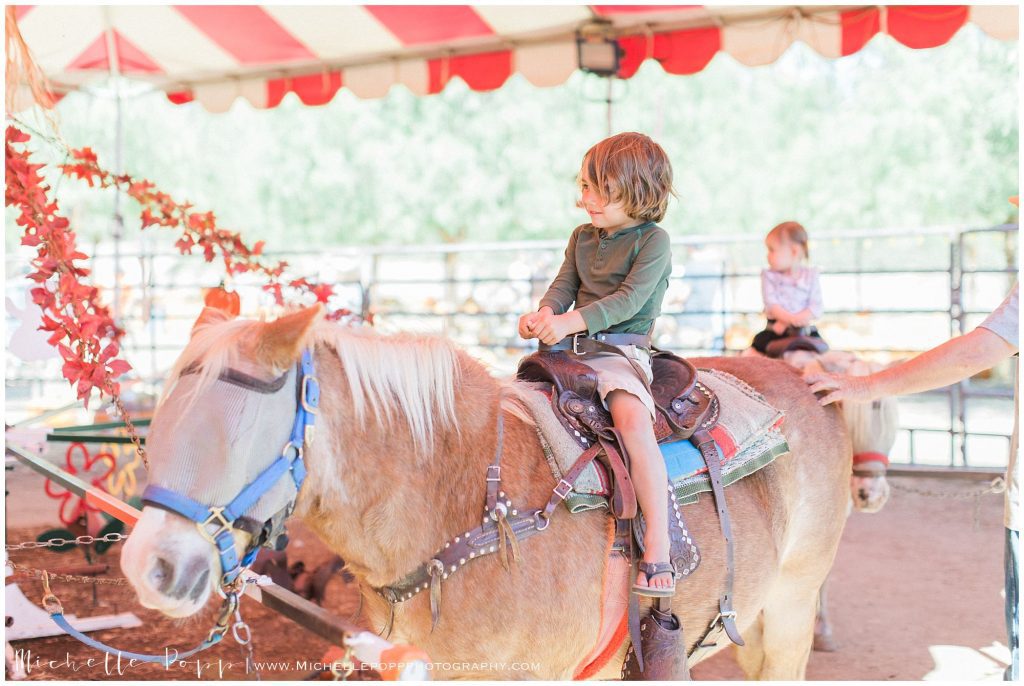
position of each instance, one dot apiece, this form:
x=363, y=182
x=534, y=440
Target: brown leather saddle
x=686, y=410
x=682, y=405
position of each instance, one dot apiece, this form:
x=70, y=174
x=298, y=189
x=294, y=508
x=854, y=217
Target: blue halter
x=223, y=517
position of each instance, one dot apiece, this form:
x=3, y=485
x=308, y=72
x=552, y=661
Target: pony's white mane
x=389, y=376
x=408, y=374
x=872, y=426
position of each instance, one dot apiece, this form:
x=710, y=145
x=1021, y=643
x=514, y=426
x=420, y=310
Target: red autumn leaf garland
x=199, y=230
x=80, y=325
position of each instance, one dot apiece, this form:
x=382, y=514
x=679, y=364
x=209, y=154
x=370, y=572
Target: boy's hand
x=779, y=327
x=526, y=324
x=553, y=329
x=530, y=323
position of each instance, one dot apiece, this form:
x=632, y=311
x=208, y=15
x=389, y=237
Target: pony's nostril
x=201, y=582
x=862, y=494
x=193, y=575
x=161, y=575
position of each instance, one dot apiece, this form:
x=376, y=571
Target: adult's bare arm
x=943, y=365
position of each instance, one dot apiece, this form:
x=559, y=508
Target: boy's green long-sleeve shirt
x=617, y=281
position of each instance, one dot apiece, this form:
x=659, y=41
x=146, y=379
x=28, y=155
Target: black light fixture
x=597, y=51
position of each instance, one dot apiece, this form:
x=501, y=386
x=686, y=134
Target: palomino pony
x=406, y=431
x=872, y=428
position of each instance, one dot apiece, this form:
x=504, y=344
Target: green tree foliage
x=887, y=137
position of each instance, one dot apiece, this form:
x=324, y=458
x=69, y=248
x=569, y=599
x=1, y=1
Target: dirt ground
x=916, y=594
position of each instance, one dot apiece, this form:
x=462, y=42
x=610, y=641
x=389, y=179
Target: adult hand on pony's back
x=953, y=361
x=839, y=387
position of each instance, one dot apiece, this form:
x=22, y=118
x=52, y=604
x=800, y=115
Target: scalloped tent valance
x=215, y=54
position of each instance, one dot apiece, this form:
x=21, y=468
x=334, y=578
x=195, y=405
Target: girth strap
x=633, y=607
x=725, y=621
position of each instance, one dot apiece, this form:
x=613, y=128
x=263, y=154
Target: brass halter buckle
x=216, y=517
x=343, y=668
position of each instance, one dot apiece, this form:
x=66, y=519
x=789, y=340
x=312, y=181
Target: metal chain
x=996, y=486
x=250, y=660
x=38, y=574
x=60, y=542
x=133, y=433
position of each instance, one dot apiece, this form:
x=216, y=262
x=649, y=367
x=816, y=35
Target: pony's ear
x=281, y=341
x=210, y=315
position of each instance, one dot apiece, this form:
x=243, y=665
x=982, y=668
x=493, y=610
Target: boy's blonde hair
x=791, y=232
x=632, y=169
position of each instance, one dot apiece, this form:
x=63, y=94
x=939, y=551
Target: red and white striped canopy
x=215, y=54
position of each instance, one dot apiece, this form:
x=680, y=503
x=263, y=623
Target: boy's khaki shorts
x=614, y=372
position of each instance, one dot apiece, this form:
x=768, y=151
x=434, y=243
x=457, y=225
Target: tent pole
x=114, y=63
x=118, y=217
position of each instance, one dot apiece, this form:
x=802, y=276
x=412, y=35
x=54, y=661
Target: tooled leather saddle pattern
x=683, y=551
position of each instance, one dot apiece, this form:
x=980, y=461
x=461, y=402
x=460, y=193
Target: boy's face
x=610, y=216
x=782, y=254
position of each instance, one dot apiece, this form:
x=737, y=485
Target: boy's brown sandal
x=652, y=569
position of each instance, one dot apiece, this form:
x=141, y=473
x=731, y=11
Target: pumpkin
x=222, y=299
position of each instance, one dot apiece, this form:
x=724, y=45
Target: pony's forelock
x=213, y=348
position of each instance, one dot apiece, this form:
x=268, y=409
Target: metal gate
x=888, y=295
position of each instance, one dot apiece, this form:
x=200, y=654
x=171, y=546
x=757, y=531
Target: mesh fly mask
x=224, y=457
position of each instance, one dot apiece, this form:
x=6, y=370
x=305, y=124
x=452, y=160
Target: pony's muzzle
x=176, y=586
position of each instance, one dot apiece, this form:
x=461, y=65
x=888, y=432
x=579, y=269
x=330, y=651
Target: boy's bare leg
x=650, y=480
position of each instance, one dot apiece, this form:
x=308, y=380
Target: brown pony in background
x=405, y=433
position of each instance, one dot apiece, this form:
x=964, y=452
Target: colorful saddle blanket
x=748, y=436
